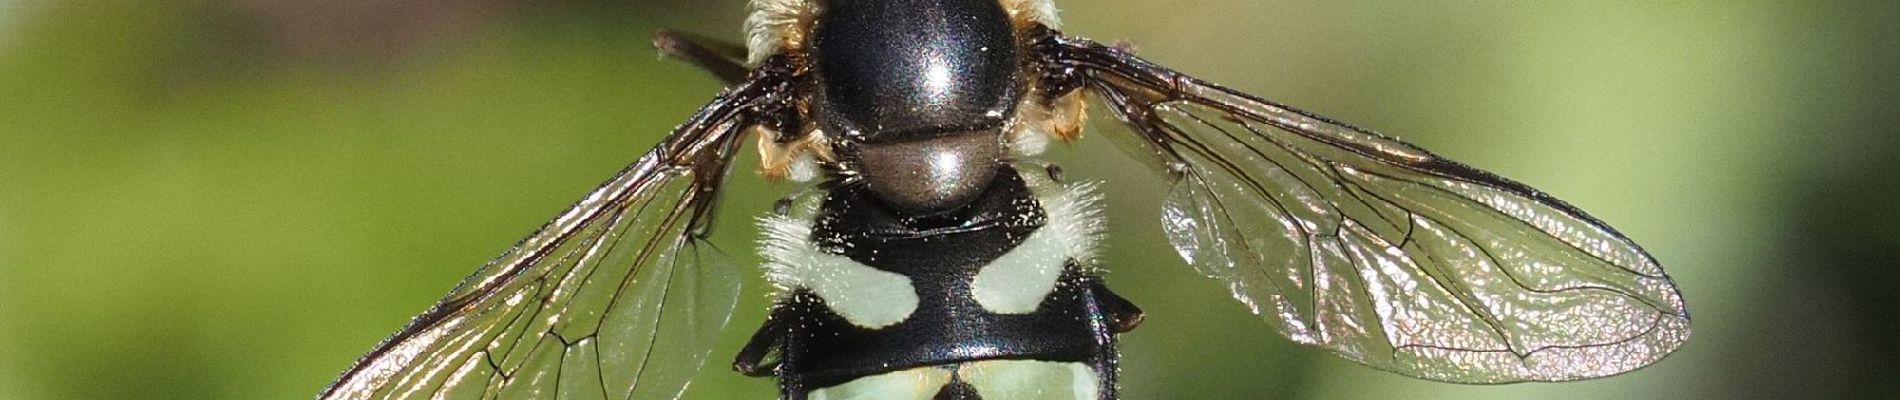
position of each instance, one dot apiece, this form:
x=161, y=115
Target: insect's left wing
x=1378, y=250
x=619, y=297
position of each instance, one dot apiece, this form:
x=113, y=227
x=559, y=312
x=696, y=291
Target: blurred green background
x=234, y=199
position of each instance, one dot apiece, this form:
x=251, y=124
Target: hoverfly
x=932, y=256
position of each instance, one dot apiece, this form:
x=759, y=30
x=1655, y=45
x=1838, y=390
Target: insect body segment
x=869, y=294
x=918, y=90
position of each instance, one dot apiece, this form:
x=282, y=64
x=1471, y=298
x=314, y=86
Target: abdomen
x=986, y=379
x=999, y=300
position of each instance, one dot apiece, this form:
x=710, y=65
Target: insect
x=931, y=256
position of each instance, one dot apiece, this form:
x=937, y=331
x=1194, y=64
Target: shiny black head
x=919, y=90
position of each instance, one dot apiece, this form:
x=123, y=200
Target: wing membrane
x=619, y=297
x=1380, y=251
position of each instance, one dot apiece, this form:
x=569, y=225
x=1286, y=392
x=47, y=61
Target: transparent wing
x=1380, y=251
x=619, y=297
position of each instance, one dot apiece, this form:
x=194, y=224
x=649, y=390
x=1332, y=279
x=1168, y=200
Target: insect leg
x=1123, y=314
x=759, y=357
x=725, y=60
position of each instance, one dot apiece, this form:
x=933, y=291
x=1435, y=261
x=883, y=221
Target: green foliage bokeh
x=234, y=199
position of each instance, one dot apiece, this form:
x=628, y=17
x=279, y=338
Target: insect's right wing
x=1378, y=250
x=619, y=297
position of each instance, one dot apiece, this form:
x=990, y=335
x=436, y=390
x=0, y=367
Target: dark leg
x=775, y=350
x=725, y=60
x=1123, y=315
x=1110, y=315
x=755, y=359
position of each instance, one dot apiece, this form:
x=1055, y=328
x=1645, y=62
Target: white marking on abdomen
x=1017, y=282
x=992, y=379
x=911, y=384
x=865, y=296
x=1031, y=380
